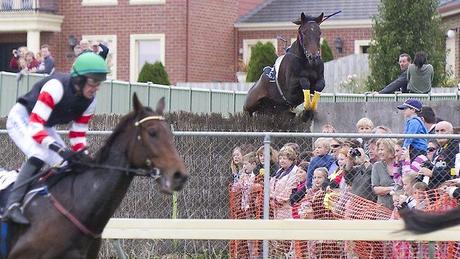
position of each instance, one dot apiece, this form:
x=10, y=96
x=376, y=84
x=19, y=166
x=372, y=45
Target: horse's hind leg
x=255, y=96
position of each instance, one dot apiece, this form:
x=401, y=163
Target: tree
x=326, y=52
x=262, y=55
x=154, y=73
x=405, y=26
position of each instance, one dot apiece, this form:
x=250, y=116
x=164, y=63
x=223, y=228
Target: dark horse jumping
x=300, y=74
x=141, y=144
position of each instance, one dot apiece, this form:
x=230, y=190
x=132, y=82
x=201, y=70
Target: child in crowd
x=327, y=128
x=259, y=170
x=365, y=126
x=381, y=129
x=246, y=180
x=236, y=164
x=320, y=182
x=321, y=159
x=337, y=179
x=295, y=204
x=414, y=125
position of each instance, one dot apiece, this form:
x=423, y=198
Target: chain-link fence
x=302, y=175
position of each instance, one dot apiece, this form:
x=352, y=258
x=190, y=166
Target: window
x=111, y=42
x=146, y=2
x=362, y=46
x=98, y=2
x=247, y=44
x=145, y=48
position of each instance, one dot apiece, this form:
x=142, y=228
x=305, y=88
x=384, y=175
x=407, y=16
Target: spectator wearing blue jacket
x=414, y=125
x=321, y=159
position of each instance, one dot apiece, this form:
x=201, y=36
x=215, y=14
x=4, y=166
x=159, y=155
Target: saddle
x=272, y=72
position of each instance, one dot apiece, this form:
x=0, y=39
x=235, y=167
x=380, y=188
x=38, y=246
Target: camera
x=15, y=52
x=354, y=152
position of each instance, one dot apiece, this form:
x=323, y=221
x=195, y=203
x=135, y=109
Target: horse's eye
x=152, y=133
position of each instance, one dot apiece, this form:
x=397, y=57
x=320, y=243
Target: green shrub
x=262, y=55
x=405, y=26
x=326, y=51
x=154, y=73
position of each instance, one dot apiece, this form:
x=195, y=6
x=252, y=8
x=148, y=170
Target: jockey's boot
x=306, y=95
x=14, y=213
x=314, y=102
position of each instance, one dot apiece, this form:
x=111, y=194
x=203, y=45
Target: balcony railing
x=49, y=6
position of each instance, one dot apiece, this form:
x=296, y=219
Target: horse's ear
x=137, y=105
x=160, y=106
x=302, y=19
x=319, y=19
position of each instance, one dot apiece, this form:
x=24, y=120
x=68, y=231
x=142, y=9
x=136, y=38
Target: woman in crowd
x=420, y=75
x=283, y=182
x=383, y=183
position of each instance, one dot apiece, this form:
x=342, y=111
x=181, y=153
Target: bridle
x=308, y=55
x=153, y=172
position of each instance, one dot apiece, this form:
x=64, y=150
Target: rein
x=154, y=173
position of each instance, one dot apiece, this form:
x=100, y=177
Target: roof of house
x=289, y=10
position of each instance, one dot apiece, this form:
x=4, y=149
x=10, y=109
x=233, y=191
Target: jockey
x=57, y=99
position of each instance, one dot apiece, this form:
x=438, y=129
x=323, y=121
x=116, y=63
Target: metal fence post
x=266, y=189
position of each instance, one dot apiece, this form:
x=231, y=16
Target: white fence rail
x=227, y=229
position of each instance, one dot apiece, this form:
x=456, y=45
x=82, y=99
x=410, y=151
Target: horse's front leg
x=318, y=86
x=306, y=89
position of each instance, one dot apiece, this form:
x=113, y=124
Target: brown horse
x=142, y=144
x=300, y=73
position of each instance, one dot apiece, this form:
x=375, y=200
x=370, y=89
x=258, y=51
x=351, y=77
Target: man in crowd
x=429, y=118
x=444, y=158
x=400, y=83
x=97, y=48
x=47, y=65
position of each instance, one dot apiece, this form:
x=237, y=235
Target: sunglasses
x=431, y=149
x=335, y=146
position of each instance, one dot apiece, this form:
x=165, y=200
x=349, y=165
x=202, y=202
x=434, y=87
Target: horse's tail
x=422, y=222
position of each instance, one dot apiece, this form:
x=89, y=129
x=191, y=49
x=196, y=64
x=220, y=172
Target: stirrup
x=14, y=214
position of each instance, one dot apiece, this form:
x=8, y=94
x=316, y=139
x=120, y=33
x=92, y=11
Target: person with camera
x=358, y=172
x=443, y=163
x=18, y=58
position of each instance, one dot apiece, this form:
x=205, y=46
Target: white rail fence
x=228, y=229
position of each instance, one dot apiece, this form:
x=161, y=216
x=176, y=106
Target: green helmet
x=90, y=65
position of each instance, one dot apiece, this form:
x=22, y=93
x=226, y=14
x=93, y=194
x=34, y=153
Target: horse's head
x=154, y=149
x=309, y=35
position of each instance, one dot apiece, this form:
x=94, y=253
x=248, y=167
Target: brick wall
x=348, y=36
x=453, y=22
x=212, y=46
x=123, y=20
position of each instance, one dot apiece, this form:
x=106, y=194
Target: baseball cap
x=411, y=103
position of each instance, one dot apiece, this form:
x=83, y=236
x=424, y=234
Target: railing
x=115, y=96
x=29, y=5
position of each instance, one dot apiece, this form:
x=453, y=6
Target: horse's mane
x=103, y=153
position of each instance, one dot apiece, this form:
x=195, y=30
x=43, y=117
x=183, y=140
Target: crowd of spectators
x=385, y=170
x=24, y=61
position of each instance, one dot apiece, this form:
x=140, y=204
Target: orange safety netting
x=246, y=202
